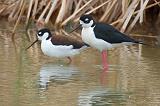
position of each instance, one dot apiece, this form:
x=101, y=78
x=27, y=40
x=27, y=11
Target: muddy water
x=28, y=78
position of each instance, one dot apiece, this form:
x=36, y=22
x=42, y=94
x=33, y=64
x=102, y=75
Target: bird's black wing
x=66, y=40
x=110, y=34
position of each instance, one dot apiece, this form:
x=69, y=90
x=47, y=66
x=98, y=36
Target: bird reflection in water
x=101, y=96
x=103, y=77
x=55, y=73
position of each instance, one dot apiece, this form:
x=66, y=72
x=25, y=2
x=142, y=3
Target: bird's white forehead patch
x=86, y=19
x=39, y=33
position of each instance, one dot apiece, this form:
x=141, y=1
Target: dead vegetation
x=123, y=14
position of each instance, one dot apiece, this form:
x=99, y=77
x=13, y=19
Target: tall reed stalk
x=123, y=14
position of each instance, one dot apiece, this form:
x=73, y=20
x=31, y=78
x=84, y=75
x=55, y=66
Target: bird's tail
x=83, y=48
x=141, y=42
x=77, y=51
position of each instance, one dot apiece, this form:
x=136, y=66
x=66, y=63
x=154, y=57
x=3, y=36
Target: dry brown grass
x=123, y=14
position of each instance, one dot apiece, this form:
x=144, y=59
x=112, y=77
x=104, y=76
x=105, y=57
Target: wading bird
x=102, y=36
x=58, y=45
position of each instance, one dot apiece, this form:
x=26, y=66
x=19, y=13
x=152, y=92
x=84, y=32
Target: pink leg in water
x=70, y=60
x=104, y=60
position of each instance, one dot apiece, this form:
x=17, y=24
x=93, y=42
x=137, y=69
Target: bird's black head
x=87, y=21
x=44, y=34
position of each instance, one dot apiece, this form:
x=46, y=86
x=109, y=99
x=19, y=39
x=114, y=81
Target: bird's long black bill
x=32, y=44
x=75, y=29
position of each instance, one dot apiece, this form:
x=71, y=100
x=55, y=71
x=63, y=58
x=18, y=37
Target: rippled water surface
x=28, y=78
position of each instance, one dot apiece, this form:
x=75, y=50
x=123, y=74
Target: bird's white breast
x=88, y=36
x=57, y=50
x=47, y=47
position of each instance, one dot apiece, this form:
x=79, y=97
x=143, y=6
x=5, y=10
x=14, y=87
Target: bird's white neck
x=88, y=35
x=45, y=44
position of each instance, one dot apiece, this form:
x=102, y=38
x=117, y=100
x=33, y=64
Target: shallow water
x=28, y=78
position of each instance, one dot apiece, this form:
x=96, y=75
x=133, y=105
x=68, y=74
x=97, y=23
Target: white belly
x=57, y=50
x=89, y=38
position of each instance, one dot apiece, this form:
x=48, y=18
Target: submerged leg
x=104, y=60
x=103, y=77
x=70, y=60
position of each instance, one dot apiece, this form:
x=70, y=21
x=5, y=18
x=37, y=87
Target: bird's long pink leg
x=70, y=60
x=104, y=60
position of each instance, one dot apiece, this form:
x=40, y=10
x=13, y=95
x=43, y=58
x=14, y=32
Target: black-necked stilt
x=102, y=36
x=58, y=45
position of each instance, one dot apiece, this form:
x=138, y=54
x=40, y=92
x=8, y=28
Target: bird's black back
x=110, y=34
x=64, y=40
